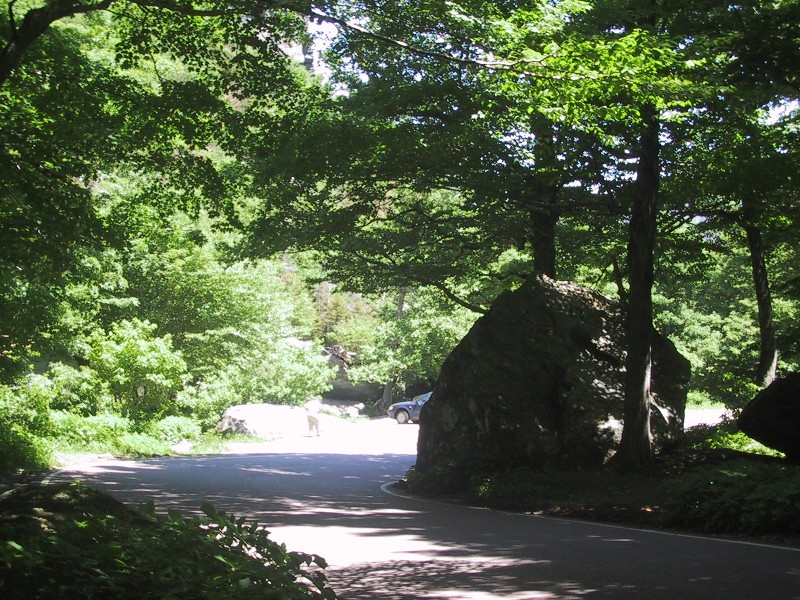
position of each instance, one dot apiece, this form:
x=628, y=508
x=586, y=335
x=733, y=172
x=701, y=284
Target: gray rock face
x=772, y=417
x=540, y=380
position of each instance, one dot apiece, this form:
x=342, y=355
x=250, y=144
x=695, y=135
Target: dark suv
x=405, y=412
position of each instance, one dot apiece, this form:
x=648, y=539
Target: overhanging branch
x=450, y=295
x=495, y=65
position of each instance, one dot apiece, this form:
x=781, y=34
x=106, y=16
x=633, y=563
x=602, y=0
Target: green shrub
x=79, y=390
x=173, y=430
x=127, y=557
x=139, y=444
x=114, y=434
x=95, y=433
x=736, y=440
x=207, y=400
x=727, y=436
x=20, y=449
x=143, y=370
x=28, y=404
x=743, y=496
x=24, y=423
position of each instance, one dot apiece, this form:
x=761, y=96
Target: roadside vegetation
x=68, y=541
x=719, y=482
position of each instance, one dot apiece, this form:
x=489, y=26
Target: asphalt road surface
x=328, y=496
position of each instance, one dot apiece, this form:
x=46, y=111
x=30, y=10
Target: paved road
x=324, y=495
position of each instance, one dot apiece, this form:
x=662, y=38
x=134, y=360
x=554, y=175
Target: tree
x=242, y=320
x=409, y=346
x=86, y=94
x=469, y=133
x=178, y=26
x=143, y=370
x=616, y=65
x=52, y=144
x=736, y=159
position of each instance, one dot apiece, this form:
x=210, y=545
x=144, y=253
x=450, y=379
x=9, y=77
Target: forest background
x=189, y=217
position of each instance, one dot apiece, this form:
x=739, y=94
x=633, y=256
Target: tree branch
x=12, y=22
x=38, y=20
x=34, y=24
x=450, y=295
x=500, y=65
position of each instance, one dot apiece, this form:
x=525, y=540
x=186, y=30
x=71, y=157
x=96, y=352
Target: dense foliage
x=188, y=218
x=178, y=197
x=104, y=549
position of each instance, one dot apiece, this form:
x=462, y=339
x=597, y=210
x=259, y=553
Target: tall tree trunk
x=636, y=447
x=543, y=241
x=544, y=204
x=386, y=397
x=768, y=348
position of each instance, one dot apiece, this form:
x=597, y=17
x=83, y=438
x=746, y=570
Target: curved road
x=324, y=495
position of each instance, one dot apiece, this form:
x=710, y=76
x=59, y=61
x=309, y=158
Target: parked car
x=405, y=412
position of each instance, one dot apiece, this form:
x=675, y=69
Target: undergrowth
x=719, y=482
x=72, y=542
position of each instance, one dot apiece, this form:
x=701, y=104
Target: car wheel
x=402, y=417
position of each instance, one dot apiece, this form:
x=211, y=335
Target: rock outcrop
x=772, y=417
x=540, y=380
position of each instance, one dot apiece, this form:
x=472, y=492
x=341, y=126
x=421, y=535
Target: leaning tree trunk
x=636, y=447
x=35, y=22
x=768, y=348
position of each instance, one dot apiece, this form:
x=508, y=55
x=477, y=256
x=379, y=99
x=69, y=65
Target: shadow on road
x=385, y=547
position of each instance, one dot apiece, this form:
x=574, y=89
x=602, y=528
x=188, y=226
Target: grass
x=141, y=445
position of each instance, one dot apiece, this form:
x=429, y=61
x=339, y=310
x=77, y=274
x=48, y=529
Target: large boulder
x=772, y=417
x=539, y=380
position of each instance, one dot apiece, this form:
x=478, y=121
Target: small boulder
x=772, y=417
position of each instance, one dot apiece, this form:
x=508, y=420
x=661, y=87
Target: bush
x=207, y=400
x=121, y=555
x=20, y=449
x=743, y=496
x=727, y=436
x=139, y=444
x=24, y=421
x=173, y=430
x=112, y=434
x=28, y=404
x=95, y=433
x=78, y=390
x=143, y=370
